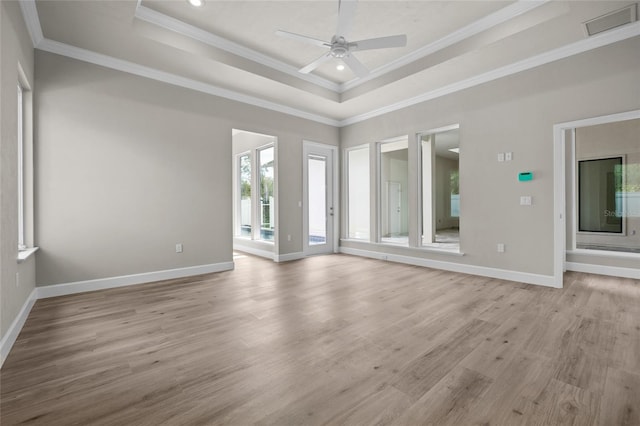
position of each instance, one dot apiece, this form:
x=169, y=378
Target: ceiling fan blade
x=379, y=43
x=356, y=66
x=315, y=64
x=303, y=38
x=346, y=13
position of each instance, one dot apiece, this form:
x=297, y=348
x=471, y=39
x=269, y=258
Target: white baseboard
x=255, y=251
x=503, y=274
x=113, y=282
x=16, y=326
x=613, y=271
x=100, y=284
x=289, y=256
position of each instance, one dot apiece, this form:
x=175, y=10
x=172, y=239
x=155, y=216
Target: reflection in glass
x=358, y=193
x=600, y=195
x=394, y=180
x=440, y=171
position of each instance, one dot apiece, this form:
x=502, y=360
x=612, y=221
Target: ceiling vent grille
x=611, y=20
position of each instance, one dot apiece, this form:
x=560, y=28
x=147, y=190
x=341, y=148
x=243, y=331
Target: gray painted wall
x=128, y=167
x=16, y=49
x=516, y=114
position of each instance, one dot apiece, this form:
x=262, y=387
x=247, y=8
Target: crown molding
x=30, y=15
x=176, y=80
x=32, y=21
x=505, y=14
x=509, y=12
x=594, y=42
x=160, y=19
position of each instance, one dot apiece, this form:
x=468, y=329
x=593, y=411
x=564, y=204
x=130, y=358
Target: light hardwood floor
x=331, y=340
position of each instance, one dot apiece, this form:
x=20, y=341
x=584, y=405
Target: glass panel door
x=318, y=202
x=317, y=198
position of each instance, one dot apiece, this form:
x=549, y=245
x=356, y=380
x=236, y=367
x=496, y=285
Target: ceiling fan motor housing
x=339, y=47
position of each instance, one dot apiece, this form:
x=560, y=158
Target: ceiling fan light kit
x=196, y=3
x=340, y=47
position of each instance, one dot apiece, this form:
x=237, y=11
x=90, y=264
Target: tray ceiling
x=229, y=48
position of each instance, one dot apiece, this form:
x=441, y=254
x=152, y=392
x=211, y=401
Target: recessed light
x=340, y=67
x=456, y=150
x=196, y=3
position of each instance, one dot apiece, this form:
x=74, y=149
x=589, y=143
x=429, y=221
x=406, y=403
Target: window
x=454, y=178
x=244, y=167
x=317, y=199
x=440, y=187
x=254, y=164
x=394, y=198
x=600, y=195
x=267, y=204
x=21, y=189
x=358, y=207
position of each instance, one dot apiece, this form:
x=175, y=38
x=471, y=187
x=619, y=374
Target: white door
x=395, y=206
x=319, y=209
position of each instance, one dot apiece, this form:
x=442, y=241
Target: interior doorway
x=596, y=188
x=319, y=198
x=255, y=213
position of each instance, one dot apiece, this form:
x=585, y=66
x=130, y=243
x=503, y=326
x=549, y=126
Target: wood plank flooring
x=336, y=340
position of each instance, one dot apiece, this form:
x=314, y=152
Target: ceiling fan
x=339, y=46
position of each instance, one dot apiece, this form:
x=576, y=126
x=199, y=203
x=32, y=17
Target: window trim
x=21, y=169
x=24, y=158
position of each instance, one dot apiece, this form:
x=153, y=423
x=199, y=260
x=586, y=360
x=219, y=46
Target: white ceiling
x=230, y=49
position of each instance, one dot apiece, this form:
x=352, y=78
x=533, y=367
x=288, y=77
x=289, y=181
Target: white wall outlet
x=508, y=156
x=288, y=237
x=525, y=200
x=500, y=157
x=500, y=248
x=179, y=248
x=299, y=203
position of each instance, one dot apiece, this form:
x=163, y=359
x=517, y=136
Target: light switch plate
x=500, y=157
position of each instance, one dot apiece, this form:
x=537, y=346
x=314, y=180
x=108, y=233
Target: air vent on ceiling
x=611, y=20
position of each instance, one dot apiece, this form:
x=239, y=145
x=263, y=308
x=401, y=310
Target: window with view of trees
x=245, y=195
x=267, y=204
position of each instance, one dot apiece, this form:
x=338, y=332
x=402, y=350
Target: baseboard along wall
x=98, y=284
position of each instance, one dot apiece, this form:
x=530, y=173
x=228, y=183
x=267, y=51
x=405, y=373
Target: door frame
x=561, y=142
x=308, y=146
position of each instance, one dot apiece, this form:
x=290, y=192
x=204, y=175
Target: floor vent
x=611, y=20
